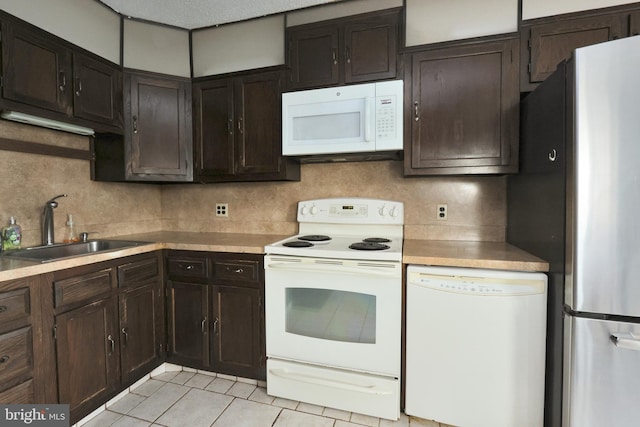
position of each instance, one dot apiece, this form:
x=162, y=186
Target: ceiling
x=191, y=14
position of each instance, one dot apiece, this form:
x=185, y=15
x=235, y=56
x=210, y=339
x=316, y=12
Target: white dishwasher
x=475, y=349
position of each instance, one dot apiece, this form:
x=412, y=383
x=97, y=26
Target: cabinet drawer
x=237, y=270
x=83, y=288
x=19, y=394
x=188, y=266
x=14, y=305
x=16, y=353
x=138, y=272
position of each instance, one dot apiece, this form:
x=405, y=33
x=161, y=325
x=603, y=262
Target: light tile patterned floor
x=195, y=399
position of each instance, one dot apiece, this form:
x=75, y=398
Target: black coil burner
x=368, y=246
x=315, y=238
x=297, y=244
x=376, y=240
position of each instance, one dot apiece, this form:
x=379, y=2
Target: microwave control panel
x=386, y=109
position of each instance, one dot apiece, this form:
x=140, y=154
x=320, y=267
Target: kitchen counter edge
x=471, y=254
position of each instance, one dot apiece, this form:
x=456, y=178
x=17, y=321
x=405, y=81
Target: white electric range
x=333, y=307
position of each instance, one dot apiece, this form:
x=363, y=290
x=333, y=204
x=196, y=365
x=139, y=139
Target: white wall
x=539, y=8
x=85, y=23
x=339, y=10
x=435, y=21
x=242, y=46
x=156, y=48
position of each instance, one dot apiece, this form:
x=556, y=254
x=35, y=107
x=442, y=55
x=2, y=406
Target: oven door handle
x=344, y=385
x=361, y=271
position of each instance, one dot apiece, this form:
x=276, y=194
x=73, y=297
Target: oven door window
x=331, y=315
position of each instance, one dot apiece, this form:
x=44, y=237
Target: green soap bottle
x=11, y=235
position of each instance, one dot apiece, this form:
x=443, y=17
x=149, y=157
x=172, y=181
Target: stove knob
x=314, y=210
x=304, y=210
x=393, y=212
x=382, y=211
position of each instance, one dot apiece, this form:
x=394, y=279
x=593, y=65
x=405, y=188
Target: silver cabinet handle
x=78, y=86
x=4, y=359
x=203, y=325
x=334, y=56
x=416, y=111
x=230, y=126
x=239, y=271
x=135, y=124
x=112, y=343
x=63, y=80
x=553, y=155
x=348, y=55
x=240, y=125
x=215, y=325
x=126, y=335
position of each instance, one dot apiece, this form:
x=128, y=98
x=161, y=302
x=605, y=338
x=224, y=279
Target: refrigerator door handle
x=626, y=340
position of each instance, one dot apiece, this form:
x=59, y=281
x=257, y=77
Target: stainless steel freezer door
x=604, y=216
x=602, y=378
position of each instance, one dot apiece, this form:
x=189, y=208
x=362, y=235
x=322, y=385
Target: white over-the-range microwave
x=344, y=120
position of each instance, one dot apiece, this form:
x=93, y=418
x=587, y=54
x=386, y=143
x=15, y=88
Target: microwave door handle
x=368, y=109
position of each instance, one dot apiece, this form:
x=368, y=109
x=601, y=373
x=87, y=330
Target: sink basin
x=68, y=250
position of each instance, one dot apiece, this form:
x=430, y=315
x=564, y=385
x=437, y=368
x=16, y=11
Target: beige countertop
x=452, y=253
x=493, y=255
x=213, y=242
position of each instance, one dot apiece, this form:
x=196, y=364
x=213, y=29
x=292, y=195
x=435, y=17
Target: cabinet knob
x=4, y=359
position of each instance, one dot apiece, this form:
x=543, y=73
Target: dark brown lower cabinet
x=87, y=350
x=109, y=328
x=236, y=345
x=187, y=323
x=216, y=312
x=140, y=336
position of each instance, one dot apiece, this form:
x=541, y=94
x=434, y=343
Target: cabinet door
x=87, y=351
x=158, y=128
x=188, y=323
x=97, y=90
x=259, y=123
x=140, y=335
x=36, y=69
x=464, y=105
x=551, y=43
x=370, y=48
x=238, y=328
x=214, y=128
x=313, y=57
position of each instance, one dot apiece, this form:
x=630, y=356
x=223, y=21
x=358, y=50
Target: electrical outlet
x=442, y=213
x=222, y=209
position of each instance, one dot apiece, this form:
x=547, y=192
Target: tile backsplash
x=476, y=204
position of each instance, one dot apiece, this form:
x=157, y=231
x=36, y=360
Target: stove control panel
x=351, y=210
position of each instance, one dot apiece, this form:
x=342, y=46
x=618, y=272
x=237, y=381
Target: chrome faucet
x=47, y=220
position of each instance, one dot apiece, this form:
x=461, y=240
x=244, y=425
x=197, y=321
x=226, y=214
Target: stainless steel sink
x=69, y=250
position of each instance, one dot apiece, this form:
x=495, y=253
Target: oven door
x=338, y=313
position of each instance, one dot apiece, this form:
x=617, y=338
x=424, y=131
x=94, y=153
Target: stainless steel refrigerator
x=576, y=203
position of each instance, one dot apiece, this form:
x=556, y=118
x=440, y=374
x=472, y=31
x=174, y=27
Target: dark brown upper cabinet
x=158, y=131
x=462, y=109
x=347, y=50
x=238, y=129
x=546, y=42
x=46, y=76
x=97, y=90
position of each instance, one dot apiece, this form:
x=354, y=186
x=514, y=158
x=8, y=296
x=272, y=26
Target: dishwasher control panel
x=476, y=285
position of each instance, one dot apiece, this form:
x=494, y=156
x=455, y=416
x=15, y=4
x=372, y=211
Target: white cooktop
x=347, y=221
